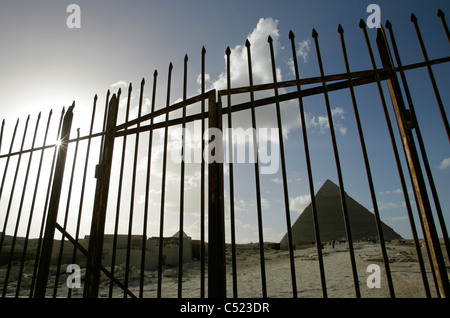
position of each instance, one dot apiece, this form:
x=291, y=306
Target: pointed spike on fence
x=228, y=51
x=440, y=14
x=340, y=29
x=143, y=81
x=130, y=87
x=39, y=115
x=269, y=39
x=413, y=17
x=291, y=35
x=186, y=58
x=95, y=97
x=155, y=73
x=388, y=24
x=118, y=92
x=170, y=66
x=247, y=43
x=362, y=24
x=314, y=34
x=203, y=49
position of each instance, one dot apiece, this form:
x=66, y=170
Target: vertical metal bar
x=30, y=218
x=8, y=210
x=183, y=156
x=163, y=187
x=337, y=160
x=364, y=151
x=103, y=172
x=362, y=25
x=119, y=195
x=216, y=231
x=80, y=209
x=133, y=190
x=66, y=216
x=414, y=166
x=1, y=134
x=421, y=143
x=441, y=15
x=13, y=243
x=231, y=173
x=258, y=186
x=5, y=170
x=44, y=214
x=147, y=189
x=431, y=74
x=283, y=169
x=46, y=255
x=202, y=185
x=308, y=165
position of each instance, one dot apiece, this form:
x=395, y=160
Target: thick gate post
x=216, y=221
x=52, y=214
x=102, y=173
x=405, y=124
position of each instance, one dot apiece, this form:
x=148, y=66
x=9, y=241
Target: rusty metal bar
x=216, y=222
x=283, y=171
x=421, y=143
x=414, y=167
x=231, y=174
x=431, y=74
x=46, y=255
x=163, y=188
x=103, y=172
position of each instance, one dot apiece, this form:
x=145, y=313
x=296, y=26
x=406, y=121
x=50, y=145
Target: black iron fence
x=50, y=186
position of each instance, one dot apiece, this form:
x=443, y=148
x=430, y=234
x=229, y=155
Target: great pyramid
x=331, y=220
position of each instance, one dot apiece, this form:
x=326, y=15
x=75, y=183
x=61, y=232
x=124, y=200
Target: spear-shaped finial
x=362, y=24
x=291, y=35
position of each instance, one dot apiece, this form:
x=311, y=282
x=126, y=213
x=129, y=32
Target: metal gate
x=214, y=114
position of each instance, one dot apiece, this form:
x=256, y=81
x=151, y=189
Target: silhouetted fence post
x=216, y=222
x=102, y=173
x=47, y=243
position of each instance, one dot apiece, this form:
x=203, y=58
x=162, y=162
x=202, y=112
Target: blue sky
x=45, y=65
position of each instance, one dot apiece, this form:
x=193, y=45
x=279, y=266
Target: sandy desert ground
x=403, y=264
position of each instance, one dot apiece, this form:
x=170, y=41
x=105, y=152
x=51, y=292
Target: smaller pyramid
x=331, y=220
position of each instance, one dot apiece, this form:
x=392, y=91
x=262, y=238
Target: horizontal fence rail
x=120, y=180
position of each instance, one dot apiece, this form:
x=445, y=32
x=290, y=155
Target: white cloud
x=321, y=122
x=298, y=204
x=303, y=49
x=265, y=203
x=119, y=84
x=444, y=164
